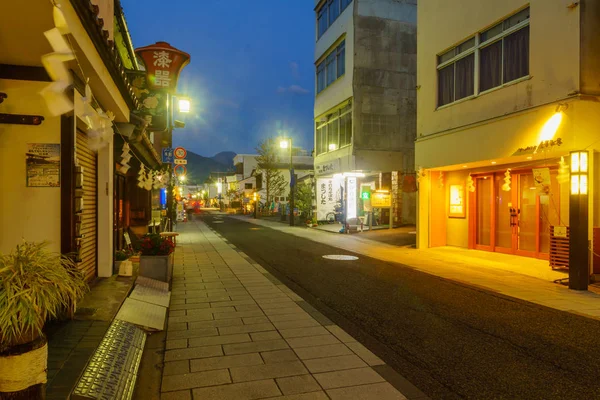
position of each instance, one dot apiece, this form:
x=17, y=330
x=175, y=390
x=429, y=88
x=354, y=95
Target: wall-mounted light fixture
x=579, y=270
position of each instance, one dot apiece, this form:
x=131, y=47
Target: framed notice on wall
x=457, y=201
x=43, y=165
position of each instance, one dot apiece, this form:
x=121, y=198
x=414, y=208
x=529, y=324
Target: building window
x=328, y=13
x=247, y=186
x=335, y=131
x=502, y=52
x=332, y=67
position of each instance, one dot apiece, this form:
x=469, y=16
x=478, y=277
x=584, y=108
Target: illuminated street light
x=579, y=272
x=284, y=144
x=182, y=178
x=184, y=105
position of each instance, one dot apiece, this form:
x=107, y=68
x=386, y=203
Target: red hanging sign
x=163, y=64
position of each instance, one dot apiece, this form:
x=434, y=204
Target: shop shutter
x=87, y=159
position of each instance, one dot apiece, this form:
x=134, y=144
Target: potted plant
x=121, y=260
x=35, y=285
x=155, y=260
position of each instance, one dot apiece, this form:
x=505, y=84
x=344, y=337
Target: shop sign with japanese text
x=330, y=167
x=328, y=196
x=163, y=64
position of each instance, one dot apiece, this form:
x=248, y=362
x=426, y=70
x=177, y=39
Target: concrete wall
x=385, y=77
x=554, y=69
x=590, y=43
x=28, y=213
x=341, y=89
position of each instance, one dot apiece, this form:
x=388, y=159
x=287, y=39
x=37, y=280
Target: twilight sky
x=251, y=71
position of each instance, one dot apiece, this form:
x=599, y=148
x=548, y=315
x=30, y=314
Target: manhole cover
x=340, y=257
x=255, y=229
x=218, y=222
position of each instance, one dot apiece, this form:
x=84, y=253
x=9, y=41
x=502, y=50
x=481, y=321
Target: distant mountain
x=199, y=167
x=225, y=158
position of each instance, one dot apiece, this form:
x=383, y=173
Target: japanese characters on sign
x=329, y=167
x=328, y=195
x=167, y=155
x=163, y=64
x=43, y=165
x=351, y=198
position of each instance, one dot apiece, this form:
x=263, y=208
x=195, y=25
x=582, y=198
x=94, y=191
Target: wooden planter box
x=157, y=267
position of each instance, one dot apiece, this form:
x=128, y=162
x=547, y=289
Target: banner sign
x=328, y=196
x=153, y=103
x=351, y=197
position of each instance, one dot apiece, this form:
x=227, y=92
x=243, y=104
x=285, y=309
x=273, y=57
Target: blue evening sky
x=251, y=72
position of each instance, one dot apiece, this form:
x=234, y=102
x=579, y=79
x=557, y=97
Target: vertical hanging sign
x=351, y=198
x=163, y=64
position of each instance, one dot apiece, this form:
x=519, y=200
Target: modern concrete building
x=365, y=107
x=507, y=90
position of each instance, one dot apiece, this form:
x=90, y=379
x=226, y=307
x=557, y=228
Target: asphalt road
x=451, y=340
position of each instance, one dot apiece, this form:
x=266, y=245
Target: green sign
x=365, y=195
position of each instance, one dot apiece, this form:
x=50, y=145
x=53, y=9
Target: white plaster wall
x=26, y=213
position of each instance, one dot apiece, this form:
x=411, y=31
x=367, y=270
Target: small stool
x=171, y=235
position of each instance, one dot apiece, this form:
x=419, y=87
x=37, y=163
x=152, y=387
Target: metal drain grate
x=112, y=370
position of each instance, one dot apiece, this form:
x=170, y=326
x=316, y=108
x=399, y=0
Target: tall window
x=332, y=67
x=502, y=52
x=335, y=131
x=328, y=13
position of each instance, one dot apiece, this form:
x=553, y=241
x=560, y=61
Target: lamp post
x=579, y=273
x=183, y=107
x=284, y=144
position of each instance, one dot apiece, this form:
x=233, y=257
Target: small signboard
x=560, y=231
x=381, y=200
x=179, y=170
x=180, y=152
x=167, y=155
x=179, y=161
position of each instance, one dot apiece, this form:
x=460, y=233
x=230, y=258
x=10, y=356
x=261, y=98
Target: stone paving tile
x=246, y=328
x=195, y=380
x=304, y=396
x=302, y=323
x=279, y=304
x=365, y=353
x=223, y=339
x=377, y=391
x=242, y=360
x=340, y=334
x=290, y=317
x=193, y=306
x=236, y=314
x=306, y=353
x=350, y=377
x=191, y=318
x=310, y=341
x=177, y=326
x=270, y=335
x=177, y=344
x=253, y=347
x=219, y=323
x=239, y=391
x=301, y=332
x=176, y=367
x=279, y=370
x=327, y=364
x=193, y=352
x=298, y=384
x=277, y=356
x=247, y=307
x=179, y=395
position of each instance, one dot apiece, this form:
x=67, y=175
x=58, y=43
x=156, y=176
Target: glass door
x=527, y=219
x=485, y=209
x=504, y=218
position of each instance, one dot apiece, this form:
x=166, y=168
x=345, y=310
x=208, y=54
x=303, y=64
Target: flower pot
x=156, y=267
x=23, y=370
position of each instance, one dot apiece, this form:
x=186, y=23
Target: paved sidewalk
x=235, y=332
x=496, y=272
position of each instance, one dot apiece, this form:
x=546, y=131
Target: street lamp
x=579, y=273
x=284, y=144
x=184, y=105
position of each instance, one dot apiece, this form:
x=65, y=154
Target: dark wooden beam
x=67, y=186
x=24, y=73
